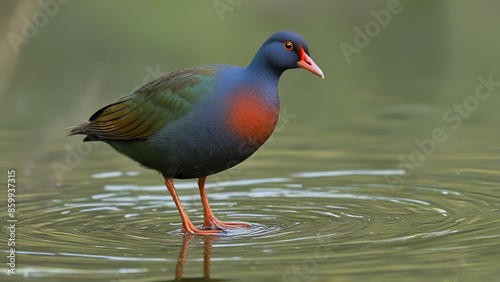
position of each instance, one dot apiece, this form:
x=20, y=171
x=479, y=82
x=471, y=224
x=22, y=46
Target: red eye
x=288, y=45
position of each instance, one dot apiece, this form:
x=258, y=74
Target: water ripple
x=286, y=213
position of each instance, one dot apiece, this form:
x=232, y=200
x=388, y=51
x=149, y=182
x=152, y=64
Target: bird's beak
x=308, y=64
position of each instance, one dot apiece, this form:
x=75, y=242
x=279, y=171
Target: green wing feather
x=149, y=108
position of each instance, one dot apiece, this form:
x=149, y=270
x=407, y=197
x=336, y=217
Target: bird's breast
x=251, y=116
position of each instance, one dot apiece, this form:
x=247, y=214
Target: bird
x=195, y=122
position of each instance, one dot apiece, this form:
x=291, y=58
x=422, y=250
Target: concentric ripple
x=138, y=227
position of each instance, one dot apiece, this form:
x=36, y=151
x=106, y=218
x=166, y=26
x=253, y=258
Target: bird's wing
x=149, y=108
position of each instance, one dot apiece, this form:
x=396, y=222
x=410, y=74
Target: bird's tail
x=83, y=128
x=78, y=129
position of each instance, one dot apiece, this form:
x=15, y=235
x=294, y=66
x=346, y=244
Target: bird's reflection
x=207, y=246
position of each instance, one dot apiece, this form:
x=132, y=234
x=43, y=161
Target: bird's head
x=287, y=50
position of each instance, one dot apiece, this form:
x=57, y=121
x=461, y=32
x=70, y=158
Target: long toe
x=195, y=231
x=214, y=223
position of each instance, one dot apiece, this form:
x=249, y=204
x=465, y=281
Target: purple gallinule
x=195, y=122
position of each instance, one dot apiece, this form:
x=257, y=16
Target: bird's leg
x=210, y=222
x=187, y=226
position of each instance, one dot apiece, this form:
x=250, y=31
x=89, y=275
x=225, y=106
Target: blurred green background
x=62, y=60
x=89, y=53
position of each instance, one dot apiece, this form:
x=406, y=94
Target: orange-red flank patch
x=250, y=118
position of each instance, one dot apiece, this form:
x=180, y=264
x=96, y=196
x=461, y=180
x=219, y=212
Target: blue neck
x=260, y=70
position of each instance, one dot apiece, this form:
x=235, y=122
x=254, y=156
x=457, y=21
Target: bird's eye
x=288, y=45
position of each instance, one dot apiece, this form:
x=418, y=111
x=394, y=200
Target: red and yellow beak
x=308, y=64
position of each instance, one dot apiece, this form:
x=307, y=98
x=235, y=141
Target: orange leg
x=210, y=222
x=187, y=226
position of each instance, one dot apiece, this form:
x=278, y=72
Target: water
x=340, y=208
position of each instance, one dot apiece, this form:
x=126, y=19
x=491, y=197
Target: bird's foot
x=213, y=223
x=191, y=230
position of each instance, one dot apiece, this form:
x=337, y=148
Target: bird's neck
x=260, y=70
